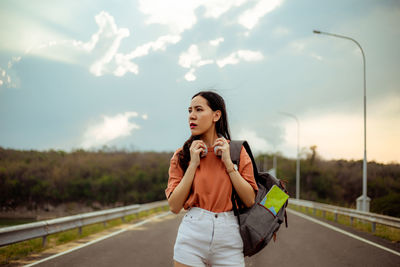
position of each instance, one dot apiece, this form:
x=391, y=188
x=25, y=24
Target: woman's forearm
x=243, y=188
x=182, y=190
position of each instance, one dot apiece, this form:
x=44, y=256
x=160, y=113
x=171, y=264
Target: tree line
x=339, y=182
x=34, y=178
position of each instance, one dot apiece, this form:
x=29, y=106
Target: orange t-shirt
x=212, y=187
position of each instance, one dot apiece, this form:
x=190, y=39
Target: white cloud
x=5, y=79
x=251, y=16
x=108, y=30
x=248, y=55
x=101, y=52
x=179, y=15
x=159, y=44
x=232, y=59
x=40, y=41
x=107, y=27
x=124, y=65
x=193, y=60
x=119, y=63
x=216, y=42
x=205, y=62
x=257, y=144
x=145, y=116
x=235, y=57
x=13, y=60
x=215, y=8
x=109, y=129
x=123, y=61
x=3, y=75
x=72, y=51
x=189, y=76
x=104, y=21
x=190, y=58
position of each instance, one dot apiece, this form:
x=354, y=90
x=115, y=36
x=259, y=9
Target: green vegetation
x=20, y=250
x=9, y=222
x=34, y=179
x=339, y=182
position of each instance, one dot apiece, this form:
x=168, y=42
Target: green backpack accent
x=257, y=223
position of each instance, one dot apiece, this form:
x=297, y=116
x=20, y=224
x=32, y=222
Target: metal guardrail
x=373, y=218
x=18, y=233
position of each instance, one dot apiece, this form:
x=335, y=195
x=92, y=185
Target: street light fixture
x=298, y=154
x=362, y=201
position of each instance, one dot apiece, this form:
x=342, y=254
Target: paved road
x=304, y=243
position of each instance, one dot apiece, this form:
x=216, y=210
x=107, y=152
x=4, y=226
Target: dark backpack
x=257, y=224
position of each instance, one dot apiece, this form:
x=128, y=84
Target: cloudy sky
x=84, y=74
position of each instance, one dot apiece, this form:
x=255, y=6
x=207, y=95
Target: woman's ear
x=217, y=115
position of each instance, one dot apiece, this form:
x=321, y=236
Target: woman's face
x=201, y=116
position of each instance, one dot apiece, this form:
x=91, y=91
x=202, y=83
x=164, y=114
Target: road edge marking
x=342, y=231
x=99, y=239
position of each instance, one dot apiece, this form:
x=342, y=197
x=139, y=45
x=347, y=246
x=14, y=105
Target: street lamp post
x=363, y=200
x=298, y=154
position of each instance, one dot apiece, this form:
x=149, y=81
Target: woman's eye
x=197, y=110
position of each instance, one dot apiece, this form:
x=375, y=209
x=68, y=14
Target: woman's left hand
x=223, y=150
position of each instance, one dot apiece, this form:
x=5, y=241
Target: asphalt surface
x=304, y=243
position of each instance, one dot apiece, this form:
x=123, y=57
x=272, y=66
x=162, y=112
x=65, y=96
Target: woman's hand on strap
x=196, y=148
x=223, y=150
x=242, y=187
x=181, y=192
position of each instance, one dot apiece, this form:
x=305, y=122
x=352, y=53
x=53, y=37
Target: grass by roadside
x=25, y=248
x=11, y=222
x=389, y=233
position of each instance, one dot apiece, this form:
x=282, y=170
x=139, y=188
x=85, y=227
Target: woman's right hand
x=196, y=148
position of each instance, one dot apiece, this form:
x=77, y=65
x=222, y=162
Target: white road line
x=342, y=231
x=100, y=239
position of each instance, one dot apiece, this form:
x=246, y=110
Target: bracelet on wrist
x=232, y=169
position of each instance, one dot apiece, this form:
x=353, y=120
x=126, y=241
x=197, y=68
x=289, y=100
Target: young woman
x=201, y=176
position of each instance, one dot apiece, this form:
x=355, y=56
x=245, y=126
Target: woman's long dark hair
x=215, y=102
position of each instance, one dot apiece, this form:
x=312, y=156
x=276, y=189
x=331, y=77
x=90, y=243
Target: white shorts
x=206, y=238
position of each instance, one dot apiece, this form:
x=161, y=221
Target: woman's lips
x=192, y=125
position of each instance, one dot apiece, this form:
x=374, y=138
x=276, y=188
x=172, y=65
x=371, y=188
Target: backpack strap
x=286, y=219
x=235, y=149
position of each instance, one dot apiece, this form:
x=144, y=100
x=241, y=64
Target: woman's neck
x=209, y=138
